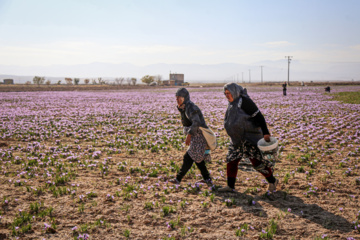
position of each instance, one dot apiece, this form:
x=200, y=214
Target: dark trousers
x=187, y=163
x=232, y=170
x=284, y=92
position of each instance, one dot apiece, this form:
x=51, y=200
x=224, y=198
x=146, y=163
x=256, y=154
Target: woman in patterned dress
x=245, y=125
x=192, y=119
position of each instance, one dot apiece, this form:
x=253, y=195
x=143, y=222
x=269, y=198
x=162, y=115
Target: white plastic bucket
x=269, y=150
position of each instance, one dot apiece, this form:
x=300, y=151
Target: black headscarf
x=191, y=115
x=183, y=92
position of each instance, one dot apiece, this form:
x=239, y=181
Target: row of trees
x=70, y=81
x=41, y=80
x=147, y=79
x=129, y=81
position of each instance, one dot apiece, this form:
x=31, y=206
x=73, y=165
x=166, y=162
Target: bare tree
x=133, y=80
x=86, y=81
x=128, y=80
x=158, y=79
x=93, y=81
x=48, y=82
x=28, y=83
x=38, y=80
x=76, y=81
x=119, y=80
x=59, y=82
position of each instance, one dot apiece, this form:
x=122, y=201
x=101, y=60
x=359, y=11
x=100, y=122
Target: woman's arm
x=195, y=120
x=251, y=109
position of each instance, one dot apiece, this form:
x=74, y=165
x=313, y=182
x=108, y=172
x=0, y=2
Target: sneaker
x=272, y=186
x=226, y=189
x=174, y=181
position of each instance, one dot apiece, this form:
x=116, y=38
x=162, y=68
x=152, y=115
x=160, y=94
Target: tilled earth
x=93, y=178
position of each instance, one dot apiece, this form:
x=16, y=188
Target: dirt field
x=96, y=165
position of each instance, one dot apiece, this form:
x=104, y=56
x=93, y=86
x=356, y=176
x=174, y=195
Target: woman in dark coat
x=192, y=119
x=245, y=125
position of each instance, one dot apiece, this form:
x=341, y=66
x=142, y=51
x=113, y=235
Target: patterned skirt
x=248, y=151
x=197, y=146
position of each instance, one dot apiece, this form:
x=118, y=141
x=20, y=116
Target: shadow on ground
x=284, y=201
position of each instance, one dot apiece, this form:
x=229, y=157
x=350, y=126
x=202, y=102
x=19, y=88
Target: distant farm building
x=8, y=81
x=175, y=79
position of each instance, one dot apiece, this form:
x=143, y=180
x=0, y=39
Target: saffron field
x=96, y=165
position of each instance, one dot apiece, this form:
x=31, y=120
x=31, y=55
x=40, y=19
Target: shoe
x=226, y=189
x=174, y=181
x=272, y=186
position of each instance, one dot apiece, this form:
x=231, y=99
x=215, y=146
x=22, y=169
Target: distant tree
x=133, y=80
x=28, y=83
x=68, y=81
x=76, y=81
x=59, y=82
x=86, y=81
x=147, y=79
x=38, y=80
x=158, y=79
x=101, y=81
x=119, y=80
x=128, y=80
x=48, y=82
x=93, y=81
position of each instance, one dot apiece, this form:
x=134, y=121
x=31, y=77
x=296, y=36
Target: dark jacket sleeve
x=257, y=118
x=193, y=115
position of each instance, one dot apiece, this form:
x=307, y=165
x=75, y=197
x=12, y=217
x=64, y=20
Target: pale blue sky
x=141, y=32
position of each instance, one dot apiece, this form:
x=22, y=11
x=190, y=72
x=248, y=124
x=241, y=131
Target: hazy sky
x=141, y=32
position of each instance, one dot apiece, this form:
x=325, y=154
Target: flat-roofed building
x=166, y=82
x=178, y=78
x=8, y=81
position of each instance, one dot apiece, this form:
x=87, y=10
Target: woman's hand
x=188, y=140
x=267, y=137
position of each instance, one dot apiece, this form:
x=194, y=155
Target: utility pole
x=261, y=73
x=289, y=60
x=249, y=75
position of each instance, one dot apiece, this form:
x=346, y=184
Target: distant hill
x=225, y=72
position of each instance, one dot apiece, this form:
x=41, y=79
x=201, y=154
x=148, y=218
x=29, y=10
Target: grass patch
x=347, y=97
